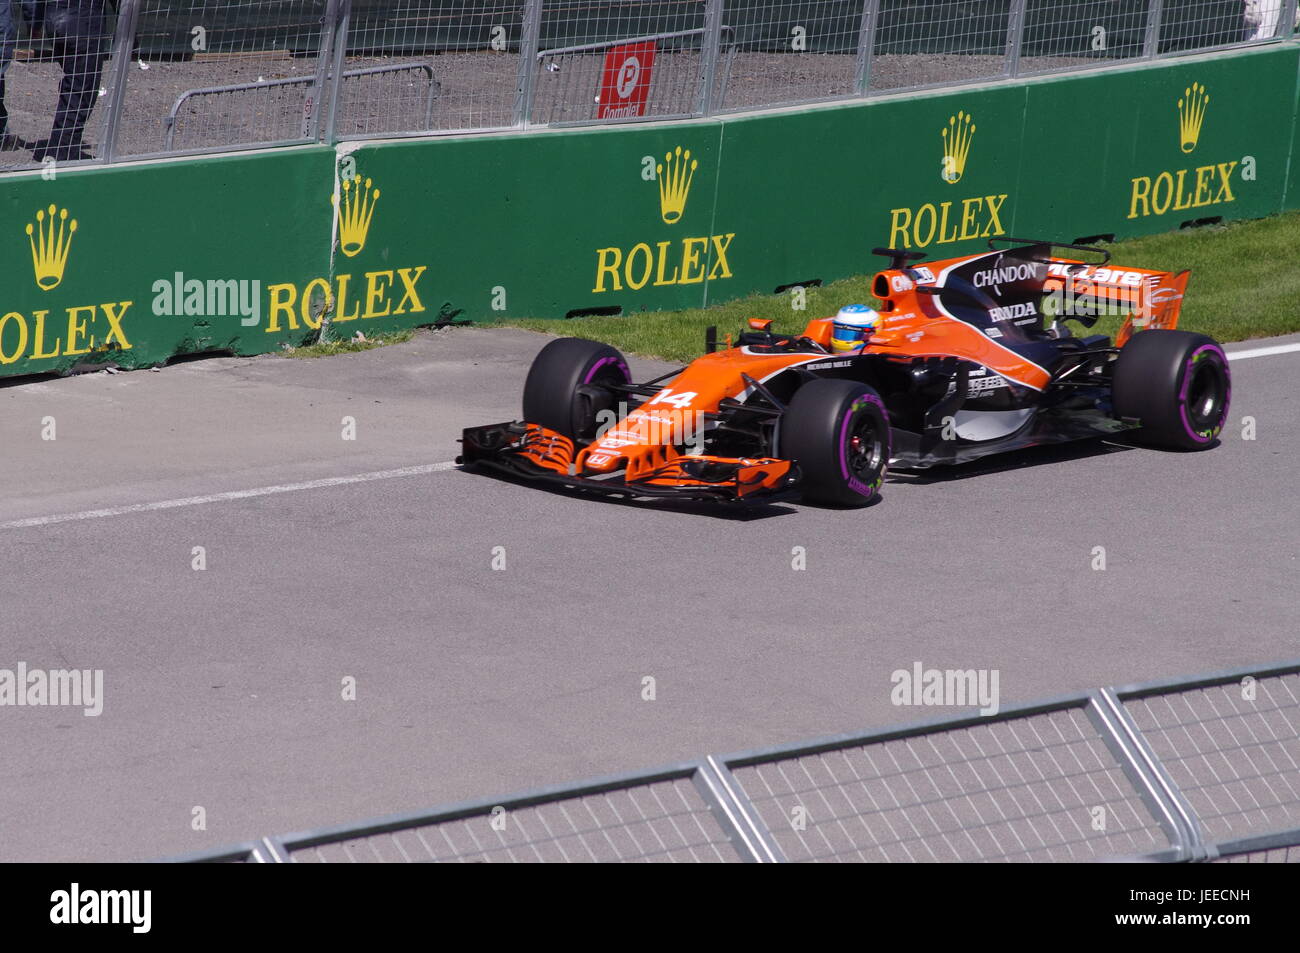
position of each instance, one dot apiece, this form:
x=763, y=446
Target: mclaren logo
x=674, y=261
x=956, y=146
x=675, y=176
x=1191, y=113
x=50, y=237
x=356, y=209
x=1180, y=189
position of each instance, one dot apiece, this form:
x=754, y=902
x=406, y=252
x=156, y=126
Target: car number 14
x=680, y=401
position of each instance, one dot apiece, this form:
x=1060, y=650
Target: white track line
x=232, y=495
x=1263, y=351
x=371, y=477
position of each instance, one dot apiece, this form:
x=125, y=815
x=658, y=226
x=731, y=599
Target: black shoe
x=42, y=150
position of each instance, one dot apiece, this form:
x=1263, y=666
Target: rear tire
x=563, y=391
x=1177, y=384
x=837, y=431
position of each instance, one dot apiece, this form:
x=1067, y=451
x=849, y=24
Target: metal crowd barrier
x=170, y=120
x=1202, y=769
x=293, y=71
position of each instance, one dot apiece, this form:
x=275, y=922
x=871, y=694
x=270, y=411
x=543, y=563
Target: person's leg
x=77, y=94
x=8, y=141
x=78, y=52
x=8, y=40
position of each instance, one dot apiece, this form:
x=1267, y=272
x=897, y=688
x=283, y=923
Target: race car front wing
x=532, y=452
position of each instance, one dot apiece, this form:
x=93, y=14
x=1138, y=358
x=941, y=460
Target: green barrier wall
x=624, y=219
x=834, y=184
x=1292, y=198
x=1116, y=155
x=552, y=223
x=96, y=293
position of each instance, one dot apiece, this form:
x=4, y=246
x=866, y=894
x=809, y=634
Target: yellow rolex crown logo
x=675, y=175
x=356, y=209
x=1191, y=113
x=51, y=240
x=956, y=146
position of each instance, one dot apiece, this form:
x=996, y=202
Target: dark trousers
x=8, y=40
x=82, y=66
x=77, y=29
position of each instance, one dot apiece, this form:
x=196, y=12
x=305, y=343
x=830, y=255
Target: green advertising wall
x=1292, y=198
x=246, y=254
x=524, y=222
x=85, y=285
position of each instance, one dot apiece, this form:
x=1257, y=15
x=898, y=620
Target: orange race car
x=964, y=357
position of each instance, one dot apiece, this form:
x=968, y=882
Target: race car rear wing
x=1160, y=308
x=1025, y=243
x=1037, y=273
x=1154, y=299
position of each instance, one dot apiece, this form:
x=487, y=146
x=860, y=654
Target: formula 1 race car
x=964, y=357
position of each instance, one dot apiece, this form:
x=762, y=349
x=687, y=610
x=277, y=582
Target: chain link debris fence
x=129, y=79
x=471, y=52
x=1059, y=35
x=208, y=75
x=619, y=61
x=1232, y=749
x=1039, y=787
x=665, y=819
x=1204, y=769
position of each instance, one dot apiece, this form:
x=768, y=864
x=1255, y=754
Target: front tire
x=564, y=389
x=1177, y=384
x=837, y=431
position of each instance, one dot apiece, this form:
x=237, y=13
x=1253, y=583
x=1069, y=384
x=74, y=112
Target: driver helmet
x=854, y=324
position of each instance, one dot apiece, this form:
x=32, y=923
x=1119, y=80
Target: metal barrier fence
x=146, y=78
x=1191, y=770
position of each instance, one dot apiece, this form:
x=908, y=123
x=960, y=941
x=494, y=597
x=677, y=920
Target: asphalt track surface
x=223, y=687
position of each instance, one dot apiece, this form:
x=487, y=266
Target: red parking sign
x=625, y=83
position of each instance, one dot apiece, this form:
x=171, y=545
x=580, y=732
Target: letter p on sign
x=625, y=81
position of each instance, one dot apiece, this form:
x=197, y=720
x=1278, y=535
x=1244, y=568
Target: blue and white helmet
x=854, y=324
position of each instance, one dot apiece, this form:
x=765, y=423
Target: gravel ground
x=474, y=90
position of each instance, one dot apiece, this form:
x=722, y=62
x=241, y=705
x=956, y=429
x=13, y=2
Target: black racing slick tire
x=837, y=433
x=1177, y=384
x=564, y=389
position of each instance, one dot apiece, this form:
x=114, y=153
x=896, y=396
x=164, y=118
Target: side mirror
x=759, y=324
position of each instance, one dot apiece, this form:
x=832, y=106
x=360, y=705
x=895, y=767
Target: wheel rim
x=1206, y=391
x=608, y=369
x=864, y=452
